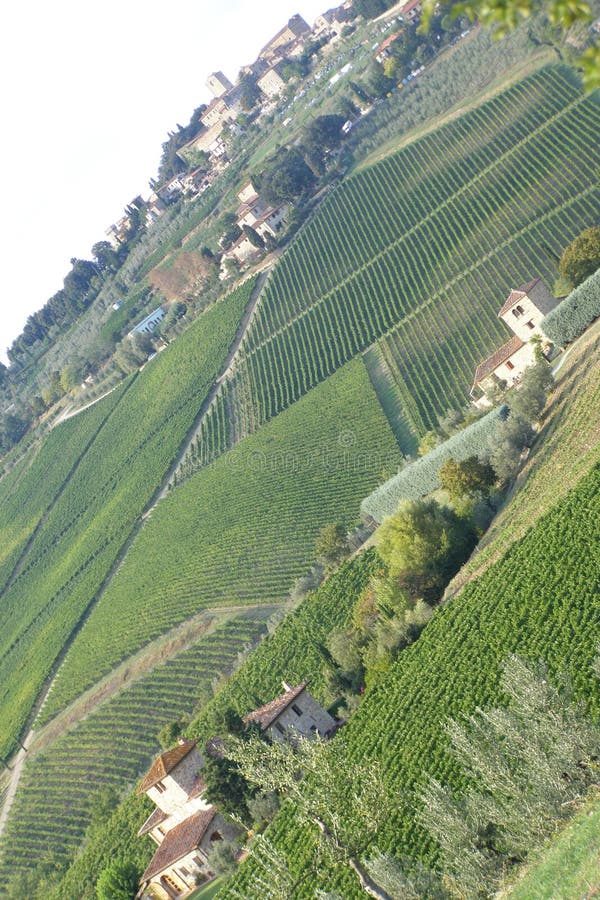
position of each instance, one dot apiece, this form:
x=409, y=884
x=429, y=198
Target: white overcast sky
x=89, y=92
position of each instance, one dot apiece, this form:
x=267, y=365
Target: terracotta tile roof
x=517, y=295
x=389, y=41
x=266, y=715
x=152, y=821
x=180, y=841
x=165, y=763
x=503, y=353
x=412, y=4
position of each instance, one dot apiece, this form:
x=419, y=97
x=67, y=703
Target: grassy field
x=539, y=601
x=569, y=867
x=241, y=530
x=92, y=484
x=419, y=251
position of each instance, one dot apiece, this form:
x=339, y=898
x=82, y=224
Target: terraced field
x=243, y=529
x=419, y=251
x=114, y=459
x=540, y=601
x=113, y=746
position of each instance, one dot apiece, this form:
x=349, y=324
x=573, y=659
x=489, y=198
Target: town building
x=218, y=84
x=274, y=49
x=411, y=10
x=271, y=82
x=331, y=22
x=149, y=324
x=384, y=51
x=295, y=712
x=184, y=825
x=523, y=312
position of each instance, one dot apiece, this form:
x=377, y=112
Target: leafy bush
x=571, y=317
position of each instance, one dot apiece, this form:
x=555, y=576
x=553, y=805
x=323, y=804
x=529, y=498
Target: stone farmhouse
x=523, y=312
x=294, y=712
x=184, y=826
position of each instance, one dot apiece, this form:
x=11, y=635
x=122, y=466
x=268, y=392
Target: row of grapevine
x=39, y=476
x=114, y=480
x=442, y=274
x=113, y=746
x=539, y=601
x=293, y=652
x=241, y=530
x=368, y=211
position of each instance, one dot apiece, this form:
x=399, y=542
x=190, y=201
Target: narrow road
x=18, y=760
x=69, y=412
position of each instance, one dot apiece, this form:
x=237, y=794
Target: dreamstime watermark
x=343, y=454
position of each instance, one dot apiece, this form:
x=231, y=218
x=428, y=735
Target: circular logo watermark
x=346, y=439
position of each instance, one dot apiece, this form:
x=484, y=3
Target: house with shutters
x=293, y=712
x=523, y=312
x=184, y=825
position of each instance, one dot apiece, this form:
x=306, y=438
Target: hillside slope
x=540, y=601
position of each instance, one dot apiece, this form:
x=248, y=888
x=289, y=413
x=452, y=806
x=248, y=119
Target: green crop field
x=420, y=250
x=129, y=452
x=540, y=601
x=114, y=745
x=31, y=487
x=243, y=529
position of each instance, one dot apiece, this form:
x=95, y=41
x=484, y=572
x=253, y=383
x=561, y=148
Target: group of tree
x=527, y=766
x=170, y=163
x=517, y=430
x=421, y=547
x=292, y=172
x=560, y=16
x=582, y=257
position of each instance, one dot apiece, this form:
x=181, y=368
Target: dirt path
x=69, y=412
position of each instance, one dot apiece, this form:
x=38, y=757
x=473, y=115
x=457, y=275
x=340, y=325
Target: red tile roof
x=266, y=715
x=152, y=821
x=389, y=41
x=180, y=841
x=517, y=295
x=496, y=359
x=165, y=763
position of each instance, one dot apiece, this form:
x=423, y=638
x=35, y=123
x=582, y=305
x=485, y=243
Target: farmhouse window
x=280, y=727
x=509, y=365
x=518, y=311
x=296, y=709
x=160, y=787
x=530, y=325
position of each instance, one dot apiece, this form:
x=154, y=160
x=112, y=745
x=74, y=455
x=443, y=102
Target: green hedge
x=571, y=317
